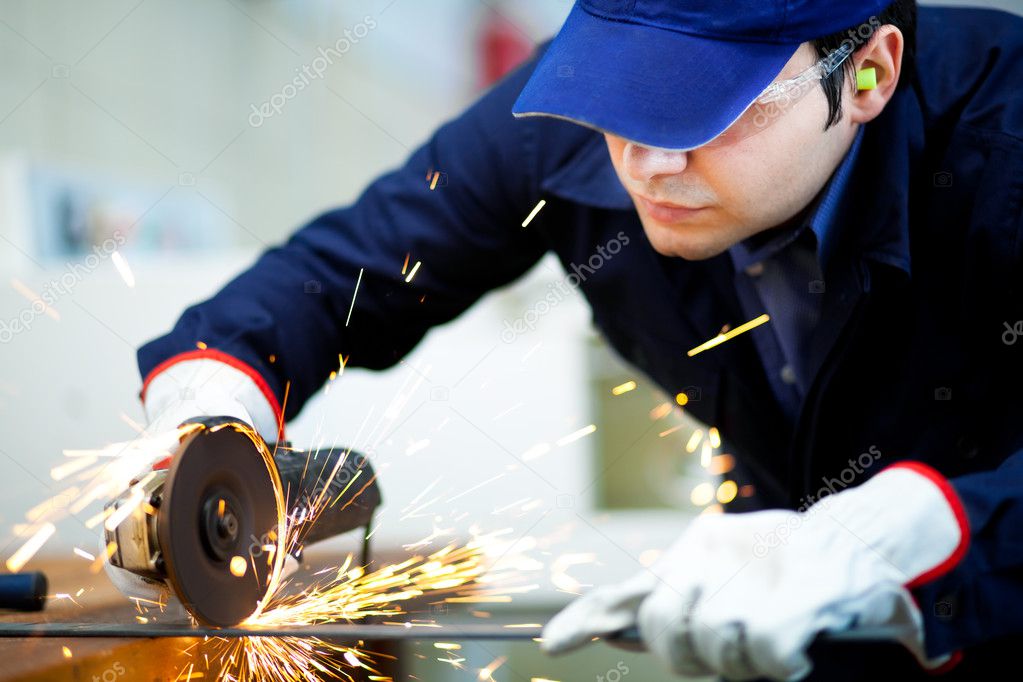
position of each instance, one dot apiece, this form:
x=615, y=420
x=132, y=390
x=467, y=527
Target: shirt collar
x=823, y=222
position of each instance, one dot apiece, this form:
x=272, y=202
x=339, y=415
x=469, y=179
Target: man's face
x=699, y=203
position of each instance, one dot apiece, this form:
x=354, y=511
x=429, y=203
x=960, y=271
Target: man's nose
x=643, y=163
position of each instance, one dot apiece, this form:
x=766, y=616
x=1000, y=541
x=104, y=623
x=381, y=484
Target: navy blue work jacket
x=912, y=357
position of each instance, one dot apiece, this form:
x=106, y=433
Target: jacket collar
x=872, y=217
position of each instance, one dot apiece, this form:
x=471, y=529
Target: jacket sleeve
x=976, y=601
x=285, y=321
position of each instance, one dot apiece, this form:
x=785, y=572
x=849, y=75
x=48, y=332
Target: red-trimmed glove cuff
x=219, y=356
x=958, y=511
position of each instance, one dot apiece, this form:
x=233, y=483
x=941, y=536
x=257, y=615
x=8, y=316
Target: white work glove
x=744, y=595
x=194, y=389
x=185, y=391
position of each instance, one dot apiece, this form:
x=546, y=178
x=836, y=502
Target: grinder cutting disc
x=222, y=503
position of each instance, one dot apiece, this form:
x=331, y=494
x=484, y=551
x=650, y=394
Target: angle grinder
x=215, y=520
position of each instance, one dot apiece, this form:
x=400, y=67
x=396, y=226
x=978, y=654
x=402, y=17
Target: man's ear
x=884, y=54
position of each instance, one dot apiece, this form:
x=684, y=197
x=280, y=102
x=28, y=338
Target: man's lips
x=668, y=213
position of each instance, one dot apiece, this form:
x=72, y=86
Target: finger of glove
x=892, y=608
x=665, y=628
x=778, y=650
x=603, y=611
x=754, y=637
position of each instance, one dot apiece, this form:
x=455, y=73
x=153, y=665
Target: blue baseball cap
x=675, y=73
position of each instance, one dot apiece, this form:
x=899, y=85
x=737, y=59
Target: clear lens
x=779, y=97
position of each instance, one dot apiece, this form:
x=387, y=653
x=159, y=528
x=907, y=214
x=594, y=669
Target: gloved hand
x=193, y=389
x=744, y=595
x=187, y=391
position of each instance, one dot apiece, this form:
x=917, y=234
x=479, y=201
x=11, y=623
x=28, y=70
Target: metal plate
x=213, y=464
x=343, y=632
x=329, y=632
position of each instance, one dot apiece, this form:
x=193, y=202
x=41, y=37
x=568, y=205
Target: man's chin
x=683, y=242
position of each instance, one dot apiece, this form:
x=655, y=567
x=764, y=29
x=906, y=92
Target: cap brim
x=650, y=85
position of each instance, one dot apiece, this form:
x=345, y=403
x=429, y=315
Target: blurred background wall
x=140, y=122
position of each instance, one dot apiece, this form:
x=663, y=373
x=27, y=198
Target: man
x=851, y=170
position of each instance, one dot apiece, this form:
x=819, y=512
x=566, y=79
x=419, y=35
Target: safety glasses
x=779, y=97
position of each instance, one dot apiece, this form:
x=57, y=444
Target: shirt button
x=755, y=270
x=788, y=375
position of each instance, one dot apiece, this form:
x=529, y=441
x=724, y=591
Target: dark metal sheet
x=335, y=632
x=338, y=632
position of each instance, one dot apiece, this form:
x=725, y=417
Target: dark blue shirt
x=780, y=272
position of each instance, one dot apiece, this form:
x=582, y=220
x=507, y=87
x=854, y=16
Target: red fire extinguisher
x=503, y=46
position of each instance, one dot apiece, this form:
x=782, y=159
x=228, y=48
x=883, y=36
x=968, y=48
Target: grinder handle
x=23, y=591
x=342, y=480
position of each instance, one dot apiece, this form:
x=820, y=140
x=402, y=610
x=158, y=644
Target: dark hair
x=902, y=15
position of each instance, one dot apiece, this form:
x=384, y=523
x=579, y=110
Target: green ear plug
x=866, y=79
